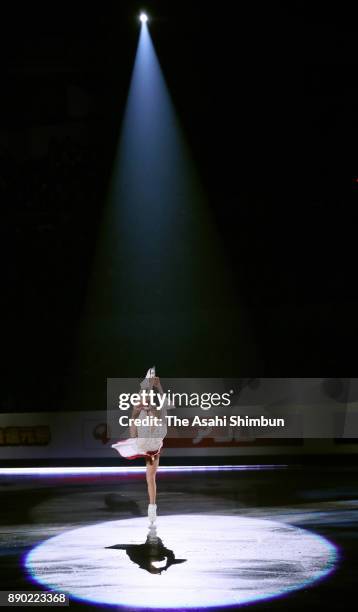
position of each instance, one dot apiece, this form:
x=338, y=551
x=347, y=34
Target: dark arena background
x=178, y=187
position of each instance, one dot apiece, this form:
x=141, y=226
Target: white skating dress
x=149, y=440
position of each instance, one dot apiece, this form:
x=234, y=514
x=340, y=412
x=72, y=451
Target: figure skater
x=147, y=441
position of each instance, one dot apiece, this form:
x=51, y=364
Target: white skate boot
x=152, y=513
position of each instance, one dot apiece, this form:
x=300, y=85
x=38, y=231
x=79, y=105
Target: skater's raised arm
x=157, y=384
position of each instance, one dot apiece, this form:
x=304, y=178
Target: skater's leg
x=152, y=466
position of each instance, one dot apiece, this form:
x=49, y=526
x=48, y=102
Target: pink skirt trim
x=131, y=449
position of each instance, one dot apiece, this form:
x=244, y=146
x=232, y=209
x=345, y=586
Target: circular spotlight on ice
x=199, y=561
x=143, y=18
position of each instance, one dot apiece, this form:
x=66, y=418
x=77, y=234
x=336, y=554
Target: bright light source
x=143, y=18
